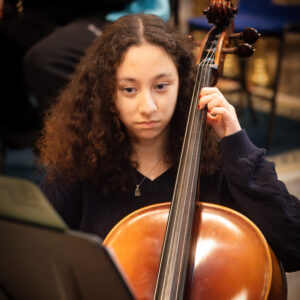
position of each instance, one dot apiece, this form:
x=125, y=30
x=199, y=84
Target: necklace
x=137, y=191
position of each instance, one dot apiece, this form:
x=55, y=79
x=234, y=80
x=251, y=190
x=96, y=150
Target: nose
x=147, y=104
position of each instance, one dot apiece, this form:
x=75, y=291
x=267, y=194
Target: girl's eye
x=129, y=90
x=161, y=86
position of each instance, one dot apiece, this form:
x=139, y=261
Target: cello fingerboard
x=174, y=258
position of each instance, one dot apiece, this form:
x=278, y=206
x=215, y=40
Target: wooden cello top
x=232, y=259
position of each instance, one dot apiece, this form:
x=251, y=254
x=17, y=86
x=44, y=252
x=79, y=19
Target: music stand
x=51, y=262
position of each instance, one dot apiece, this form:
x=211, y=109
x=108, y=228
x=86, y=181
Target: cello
x=189, y=249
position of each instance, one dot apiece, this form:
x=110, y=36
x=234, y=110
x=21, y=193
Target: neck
x=148, y=153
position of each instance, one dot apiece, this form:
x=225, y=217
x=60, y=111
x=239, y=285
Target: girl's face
x=147, y=87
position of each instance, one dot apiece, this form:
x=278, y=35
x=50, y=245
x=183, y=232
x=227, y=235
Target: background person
x=40, y=49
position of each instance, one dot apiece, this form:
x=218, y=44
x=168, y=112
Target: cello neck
x=174, y=258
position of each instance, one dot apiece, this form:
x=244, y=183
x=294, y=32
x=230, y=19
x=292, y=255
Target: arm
x=257, y=193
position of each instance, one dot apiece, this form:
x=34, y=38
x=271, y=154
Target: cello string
x=191, y=144
x=194, y=113
x=194, y=102
x=202, y=81
x=209, y=63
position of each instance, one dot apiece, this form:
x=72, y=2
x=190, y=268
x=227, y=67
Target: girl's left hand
x=221, y=114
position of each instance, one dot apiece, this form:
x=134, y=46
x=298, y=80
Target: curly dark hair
x=83, y=136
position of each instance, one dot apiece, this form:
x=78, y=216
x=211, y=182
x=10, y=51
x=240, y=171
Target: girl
x=112, y=142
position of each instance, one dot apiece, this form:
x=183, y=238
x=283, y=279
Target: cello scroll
x=217, y=42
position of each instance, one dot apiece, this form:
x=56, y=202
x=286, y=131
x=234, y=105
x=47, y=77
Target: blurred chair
x=41, y=258
x=270, y=20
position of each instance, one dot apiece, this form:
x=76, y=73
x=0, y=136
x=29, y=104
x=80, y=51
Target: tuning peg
x=242, y=50
x=249, y=35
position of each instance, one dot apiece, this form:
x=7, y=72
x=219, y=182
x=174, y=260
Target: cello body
x=230, y=258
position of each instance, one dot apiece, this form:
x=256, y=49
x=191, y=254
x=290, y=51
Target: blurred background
x=265, y=89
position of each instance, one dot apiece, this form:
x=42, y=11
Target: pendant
x=137, y=191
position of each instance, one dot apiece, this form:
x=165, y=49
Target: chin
x=148, y=136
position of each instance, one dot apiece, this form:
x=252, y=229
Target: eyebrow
x=131, y=79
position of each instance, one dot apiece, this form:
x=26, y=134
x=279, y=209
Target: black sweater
x=247, y=183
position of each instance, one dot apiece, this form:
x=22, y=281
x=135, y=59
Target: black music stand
x=40, y=258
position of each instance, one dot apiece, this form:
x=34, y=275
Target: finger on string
x=209, y=90
x=211, y=119
x=211, y=101
x=213, y=91
x=217, y=102
x=218, y=111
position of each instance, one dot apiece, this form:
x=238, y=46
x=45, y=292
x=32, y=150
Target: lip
x=148, y=124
